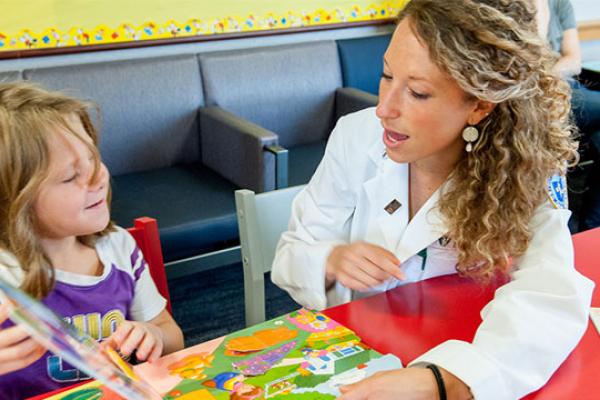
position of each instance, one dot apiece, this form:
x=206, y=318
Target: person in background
x=57, y=243
x=459, y=168
x=556, y=22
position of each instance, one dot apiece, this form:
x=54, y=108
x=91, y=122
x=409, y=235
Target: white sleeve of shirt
x=532, y=324
x=147, y=301
x=320, y=220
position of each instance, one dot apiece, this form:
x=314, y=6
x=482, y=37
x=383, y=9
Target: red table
x=409, y=320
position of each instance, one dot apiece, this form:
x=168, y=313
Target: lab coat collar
x=388, y=184
x=377, y=152
x=391, y=182
x=426, y=227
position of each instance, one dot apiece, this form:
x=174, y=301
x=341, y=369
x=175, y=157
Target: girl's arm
x=151, y=330
x=171, y=333
x=569, y=63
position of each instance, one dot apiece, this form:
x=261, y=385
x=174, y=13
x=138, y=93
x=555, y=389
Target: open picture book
x=301, y=355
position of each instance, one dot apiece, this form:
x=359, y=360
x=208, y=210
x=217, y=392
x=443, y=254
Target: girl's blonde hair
x=492, y=50
x=28, y=117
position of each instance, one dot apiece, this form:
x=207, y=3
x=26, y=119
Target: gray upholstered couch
x=294, y=92
x=180, y=134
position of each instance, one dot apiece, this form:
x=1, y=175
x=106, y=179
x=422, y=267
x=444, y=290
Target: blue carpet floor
x=210, y=304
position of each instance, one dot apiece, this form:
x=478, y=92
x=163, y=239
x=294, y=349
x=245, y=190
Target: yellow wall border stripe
x=53, y=37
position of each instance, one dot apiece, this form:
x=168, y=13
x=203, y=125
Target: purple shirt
x=96, y=309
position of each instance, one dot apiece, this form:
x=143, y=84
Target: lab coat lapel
x=389, y=183
x=426, y=227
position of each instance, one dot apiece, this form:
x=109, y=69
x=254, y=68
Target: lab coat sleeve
x=532, y=324
x=320, y=220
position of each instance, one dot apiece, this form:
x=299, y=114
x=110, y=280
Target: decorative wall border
x=127, y=35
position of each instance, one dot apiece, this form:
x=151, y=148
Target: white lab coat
x=530, y=327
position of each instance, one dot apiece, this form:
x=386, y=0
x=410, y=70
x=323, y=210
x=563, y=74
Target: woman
x=455, y=170
x=556, y=23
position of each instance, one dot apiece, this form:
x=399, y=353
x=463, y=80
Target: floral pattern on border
x=103, y=34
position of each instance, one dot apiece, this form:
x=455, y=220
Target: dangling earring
x=470, y=134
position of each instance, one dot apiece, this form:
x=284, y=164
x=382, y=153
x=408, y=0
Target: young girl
x=57, y=243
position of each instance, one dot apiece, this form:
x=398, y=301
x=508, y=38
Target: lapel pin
x=444, y=240
x=392, y=206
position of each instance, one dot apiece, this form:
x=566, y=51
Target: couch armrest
x=235, y=148
x=281, y=165
x=349, y=100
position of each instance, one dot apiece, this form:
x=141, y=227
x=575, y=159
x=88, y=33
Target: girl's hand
x=361, y=266
x=145, y=338
x=17, y=349
x=406, y=384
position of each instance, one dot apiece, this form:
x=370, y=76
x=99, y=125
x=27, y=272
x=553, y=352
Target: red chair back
x=145, y=233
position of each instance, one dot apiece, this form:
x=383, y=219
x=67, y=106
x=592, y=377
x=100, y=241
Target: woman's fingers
x=359, y=261
x=376, y=261
x=357, y=391
x=362, y=265
x=357, y=279
x=351, y=283
x=383, y=259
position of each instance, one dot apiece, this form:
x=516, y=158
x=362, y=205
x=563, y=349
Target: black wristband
x=439, y=380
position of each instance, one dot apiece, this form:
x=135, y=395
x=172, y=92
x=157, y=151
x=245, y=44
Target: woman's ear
x=482, y=109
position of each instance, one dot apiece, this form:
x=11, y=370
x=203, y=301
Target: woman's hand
x=361, y=266
x=17, y=349
x=145, y=338
x=406, y=384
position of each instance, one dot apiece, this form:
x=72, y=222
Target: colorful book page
x=311, y=359
x=160, y=373
x=76, y=348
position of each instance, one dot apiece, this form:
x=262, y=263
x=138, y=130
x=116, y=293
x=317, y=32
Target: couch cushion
x=10, y=76
x=148, y=107
x=194, y=207
x=362, y=61
x=303, y=161
x=286, y=89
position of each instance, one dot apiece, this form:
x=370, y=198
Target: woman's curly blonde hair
x=492, y=50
